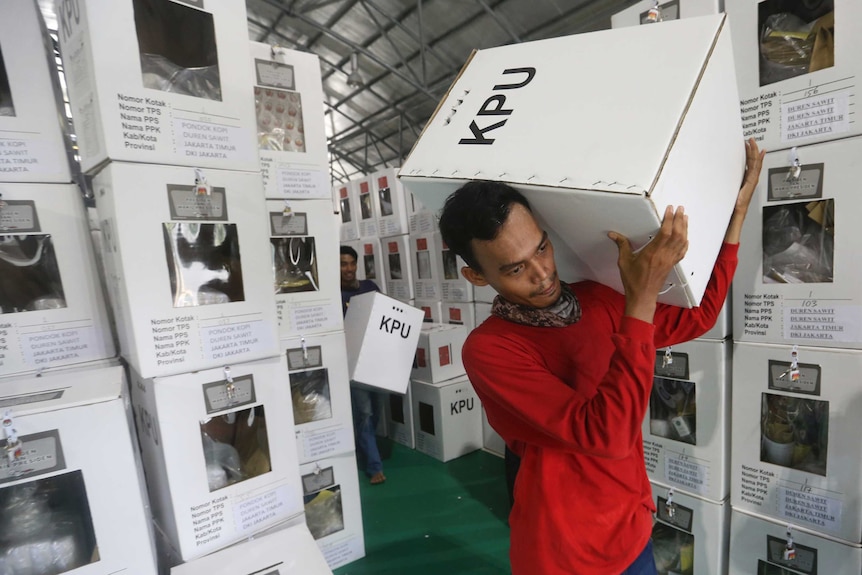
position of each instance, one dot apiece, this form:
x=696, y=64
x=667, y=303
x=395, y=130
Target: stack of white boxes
x=71, y=485
x=798, y=320
x=159, y=91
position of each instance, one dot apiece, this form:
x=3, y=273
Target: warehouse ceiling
x=406, y=54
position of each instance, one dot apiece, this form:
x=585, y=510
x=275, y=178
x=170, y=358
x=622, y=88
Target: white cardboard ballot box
x=447, y=418
x=219, y=453
x=427, y=265
x=349, y=211
x=382, y=334
x=686, y=431
x=320, y=395
x=391, y=203
x=287, y=551
x=589, y=151
x=370, y=265
x=432, y=310
x=304, y=245
x=796, y=73
x=190, y=272
x=399, y=414
x=759, y=545
x=483, y=312
x=291, y=138
x=398, y=267
x=795, y=437
x=643, y=13
x=723, y=327
x=690, y=534
x=491, y=440
x=438, y=354
x=333, y=511
x=32, y=142
x=52, y=310
x=74, y=500
x=364, y=201
x=459, y=314
x=798, y=280
x=159, y=81
x=421, y=220
x=484, y=294
x=453, y=285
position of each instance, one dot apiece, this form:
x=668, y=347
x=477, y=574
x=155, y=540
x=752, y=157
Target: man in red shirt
x=565, y=371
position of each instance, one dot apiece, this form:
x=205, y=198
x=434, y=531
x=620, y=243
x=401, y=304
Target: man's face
x=348, y=269
x=519, y=262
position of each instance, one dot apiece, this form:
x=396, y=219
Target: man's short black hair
x=348, y=251
x=477, y=210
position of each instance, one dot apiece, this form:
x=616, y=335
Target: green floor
x=433, y=518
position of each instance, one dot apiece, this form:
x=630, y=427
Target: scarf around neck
x=564, y=312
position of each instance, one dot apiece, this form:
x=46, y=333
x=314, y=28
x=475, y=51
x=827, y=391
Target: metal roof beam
x=385, y=34
x=504, y=26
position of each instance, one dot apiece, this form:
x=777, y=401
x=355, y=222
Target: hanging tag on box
x=667, y=359
x=229, y=386
x=790, y=548
x=14, y=445
x=654, y=13
x=795, y=169
x=304, y=350
x=669, y=506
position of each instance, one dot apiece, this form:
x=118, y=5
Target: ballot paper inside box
x=398, y=267
x=797, y=282
x=203, y=295
x=686, y=151
x=391, y=203
x=303, y=244
x=32, y=146
x=348, y=210
x=690, y=534
x=51, y=304
x=795, y=441
x=370, y=265
x=796, y=69
x=447, y=418
x=71, y=491
x=219, y=453
x=291, y=137
x=686, y=431
x=762, y=545
x=382, y=334
x=320, y=395
x=333, y=510
x=158, y=81
x=648, y=12
x=363, y=195
x=438, y=354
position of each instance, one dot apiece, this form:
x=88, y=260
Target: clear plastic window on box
x=7, y=107
x=673, y=410
x=29, y=274
x=294, y=261
x=673, y=550
x=236, y=447
x=178, y=49
x=346, y=215
x=203, y=263
x=310, y=394
x=795, y=37
x=370, y=273
x=324, y=514
x=385, y=195
x=280, y=126
x=395, y=271
x=46, y=527
x=794, y=432
x=799, y=242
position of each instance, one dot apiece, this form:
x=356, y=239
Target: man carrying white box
x=565, y=371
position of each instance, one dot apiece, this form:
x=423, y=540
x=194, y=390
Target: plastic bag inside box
x=324, y=513
x=799, y=242
x=236, y=446
x=280, y=126
x=7, y=106
x=29, y=274
x=795, y=38
x=178, y=48
x=673, y=410
x=294, y=262
x=311, y=397
x=794, y=432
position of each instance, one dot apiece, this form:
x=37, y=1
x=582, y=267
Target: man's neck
x=350, y=286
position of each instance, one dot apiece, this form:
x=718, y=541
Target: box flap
x=61, y=389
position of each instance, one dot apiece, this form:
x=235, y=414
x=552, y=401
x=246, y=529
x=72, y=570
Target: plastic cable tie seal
x=304, y=349
x=668, y=358
x=202, y=188
x=790, y=548
x=669, y=506
x=795, y=169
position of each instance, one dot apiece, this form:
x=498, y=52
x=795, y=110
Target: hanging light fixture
x=354, y=78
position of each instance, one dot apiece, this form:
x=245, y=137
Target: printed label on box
x=288, y=224
x=815, y=116
x=686, y=472
x=823, y=323
x=303, y=184
x=315, y=316
x=231, y=337
x=274, y=74
x=221, y=395
x=806, y=381
x=304, y=357
x=18, y=156
x=805, y=560
x=341, y=552
x=254, y=512
x=785, y=184
x=322, y=443
x=40, y=453
x=186, y=204
x=675, y=366
x=68, y=345
x=683, y=517
x=805, y=507
x=19, y=216
x=195, y=139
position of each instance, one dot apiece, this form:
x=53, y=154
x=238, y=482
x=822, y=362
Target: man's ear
x=474, y=277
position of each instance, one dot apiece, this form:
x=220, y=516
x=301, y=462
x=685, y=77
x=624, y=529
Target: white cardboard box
x=758, y=544
x=364, y=200
x=432, y=310
x=447, y=418
x=400, y=418
x=53, y=311
x=460, y=314
x=304, y=248
x=427, y=265
x=288, y=551
x=438, y=355
x=808, y=100
x=668, y=10
x=288, y=98
x=484, y=294
x=333, y=510
x=80, y=472
x=381, y=332
x=320, y=394
x=453, y=285
x=483, y=312
x=421, y=219
x=723, y=327
x=797, y=280
x=635, y=156
x=398, y=267
x=349, y=210
x=370, y=262
x=390, y=203
x=491, y=440
x=686, y=431
x=32, y=143
x=159, y=82
x=219, y=453
x=190, y=275
x=795, y=444
x=690, y=534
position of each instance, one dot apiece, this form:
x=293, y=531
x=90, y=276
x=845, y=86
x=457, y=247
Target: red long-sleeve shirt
x=570, y=401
